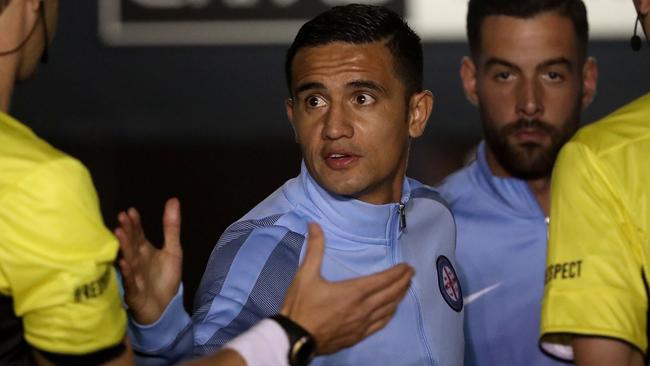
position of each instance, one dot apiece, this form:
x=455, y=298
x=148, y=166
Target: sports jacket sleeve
x=56, y=256
x=166, y=341
x=246, y=279
x=595, y=282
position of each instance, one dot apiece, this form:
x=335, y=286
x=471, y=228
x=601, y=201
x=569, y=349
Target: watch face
x=302, y=351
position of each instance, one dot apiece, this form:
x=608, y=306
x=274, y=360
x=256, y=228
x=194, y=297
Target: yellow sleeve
x=58, y=260
x=594, y=283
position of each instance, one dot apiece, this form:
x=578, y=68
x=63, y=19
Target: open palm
x=151, y=275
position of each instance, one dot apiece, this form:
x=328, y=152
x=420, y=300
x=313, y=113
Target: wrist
x=302, y=345
x=265, y=344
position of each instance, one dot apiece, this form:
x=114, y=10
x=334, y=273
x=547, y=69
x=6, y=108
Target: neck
x=8, y=66
x=540, y=187
x=383, y=193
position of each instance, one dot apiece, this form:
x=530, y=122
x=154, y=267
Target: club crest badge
x=449, y=284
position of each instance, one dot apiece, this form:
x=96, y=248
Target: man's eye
x=363, y=99
x=553, y=76
x=503, y=76
x=315, y=101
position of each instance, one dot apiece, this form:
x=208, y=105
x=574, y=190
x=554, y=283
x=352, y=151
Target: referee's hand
x=151, y=276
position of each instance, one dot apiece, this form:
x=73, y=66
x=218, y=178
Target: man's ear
x=35, y=4
x=16, y=20
x=420, y=106
x=468, y=77
x=642, y=6
x=589, y=81
x=288, y=105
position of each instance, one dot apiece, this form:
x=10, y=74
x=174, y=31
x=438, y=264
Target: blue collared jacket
x=501, y=252
x=256, y=258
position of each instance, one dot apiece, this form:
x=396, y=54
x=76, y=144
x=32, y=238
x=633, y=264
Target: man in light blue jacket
x=356, y=101
x=530, y=76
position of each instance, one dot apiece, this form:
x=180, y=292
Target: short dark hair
x=478, y=10
x=359, y=24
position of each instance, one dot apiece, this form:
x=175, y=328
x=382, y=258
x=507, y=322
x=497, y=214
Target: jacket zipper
x=402, y=216
x=401, y=213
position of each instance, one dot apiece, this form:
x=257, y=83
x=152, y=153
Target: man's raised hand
x=341, y=314
x=151, y=276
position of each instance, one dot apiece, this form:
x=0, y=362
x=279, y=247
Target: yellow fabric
x=599, y=240
x=55, y=253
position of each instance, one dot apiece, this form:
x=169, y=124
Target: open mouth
x=340, y=160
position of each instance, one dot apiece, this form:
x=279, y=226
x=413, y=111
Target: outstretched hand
x=151, y=276
x=340, y=314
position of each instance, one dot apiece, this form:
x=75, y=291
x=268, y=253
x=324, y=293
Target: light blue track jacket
x=256, y=258
x=501, y=252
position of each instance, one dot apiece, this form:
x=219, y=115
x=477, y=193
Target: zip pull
x=402, y=216
x=547, y=221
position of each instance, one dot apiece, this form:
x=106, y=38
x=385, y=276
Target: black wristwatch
x=302, y=346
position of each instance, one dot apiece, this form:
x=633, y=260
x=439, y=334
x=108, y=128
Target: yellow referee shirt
x=599, y=244
x=55, y=253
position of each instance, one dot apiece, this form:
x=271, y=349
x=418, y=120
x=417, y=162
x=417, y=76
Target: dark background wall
x=207, y=123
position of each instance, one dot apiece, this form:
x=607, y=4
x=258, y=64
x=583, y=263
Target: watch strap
x=302, y=345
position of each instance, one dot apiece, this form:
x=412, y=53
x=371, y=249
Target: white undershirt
x=265, y=344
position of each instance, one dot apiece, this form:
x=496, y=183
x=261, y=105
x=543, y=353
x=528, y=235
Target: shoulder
x=27, y=162
x=262, y=231
x=60, y=182
x=459, y=185
x=249, y=246
x=619, y=130
x=428, y=203
x=51, y=204
x=22, y=152
x=423, y=191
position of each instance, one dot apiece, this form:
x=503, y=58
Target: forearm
x=266, y=344
x=167, y=341
x=596, y=351
x=226, y=357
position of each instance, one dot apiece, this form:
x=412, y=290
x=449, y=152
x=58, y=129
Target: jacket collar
x=348, y=217
x=511, y=192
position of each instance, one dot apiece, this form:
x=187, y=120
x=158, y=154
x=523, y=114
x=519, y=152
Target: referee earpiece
x=46, y=38
x=635, y=41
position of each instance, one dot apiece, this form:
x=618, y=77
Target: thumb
x=315, y=249
x=172, y=224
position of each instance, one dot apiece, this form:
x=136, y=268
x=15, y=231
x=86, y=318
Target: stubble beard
x=528, y=161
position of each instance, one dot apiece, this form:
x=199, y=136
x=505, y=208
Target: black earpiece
x=635, y=41
x=46, y=38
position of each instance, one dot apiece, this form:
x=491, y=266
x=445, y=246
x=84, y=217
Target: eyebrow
x=366, y=84
x=557, y=61
x=309, y=86
x=492, y=61
x=355, y=84
x=552, y=62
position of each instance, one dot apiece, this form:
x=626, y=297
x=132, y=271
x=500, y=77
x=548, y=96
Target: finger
x=374, y=327
x=393, y=292
x=126, y=246
x=172, y=225
x=125, y=222
x=373, y=283
x=129, y=240
x=386, y=310
x=128, y=280
x=136, y=223
x=315, y=248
